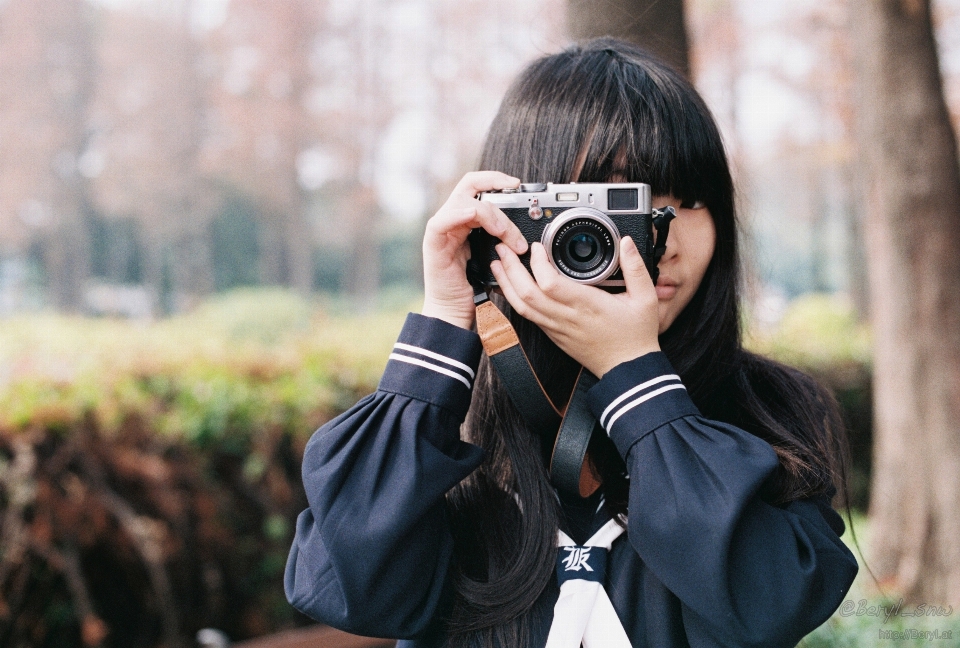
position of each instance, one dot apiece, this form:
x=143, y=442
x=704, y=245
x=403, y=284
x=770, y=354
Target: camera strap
x=568, y=428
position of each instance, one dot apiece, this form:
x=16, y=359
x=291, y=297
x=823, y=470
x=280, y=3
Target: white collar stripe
x=631, y=392
x=428, y=365
x=435, y=356
x=634, y=403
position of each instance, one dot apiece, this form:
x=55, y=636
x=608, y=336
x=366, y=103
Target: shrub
x=150, y=472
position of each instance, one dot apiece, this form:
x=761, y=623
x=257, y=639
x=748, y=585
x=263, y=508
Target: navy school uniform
x=705, y=561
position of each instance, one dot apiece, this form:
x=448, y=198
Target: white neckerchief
x=584, y=613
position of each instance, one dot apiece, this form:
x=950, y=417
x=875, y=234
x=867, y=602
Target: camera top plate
x=608, y=197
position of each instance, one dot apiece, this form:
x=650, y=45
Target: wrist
x=456, y=316
x=606, y=364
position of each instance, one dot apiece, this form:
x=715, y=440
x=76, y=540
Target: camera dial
x=583, y=244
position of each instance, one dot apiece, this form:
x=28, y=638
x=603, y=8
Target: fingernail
x=501, y=248
x=522, y=244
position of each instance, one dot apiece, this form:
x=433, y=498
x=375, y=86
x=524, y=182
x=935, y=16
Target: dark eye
x=692, y=204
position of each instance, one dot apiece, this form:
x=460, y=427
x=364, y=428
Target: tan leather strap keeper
x=496, y=332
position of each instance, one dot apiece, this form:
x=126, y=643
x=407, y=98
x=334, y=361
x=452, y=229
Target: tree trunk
x=656, y=25
x=858, y=283
x=912, y=199
x=66, y=31
x=363, y=275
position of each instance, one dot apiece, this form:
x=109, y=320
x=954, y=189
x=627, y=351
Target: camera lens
x=583, y=249
x=583, y=244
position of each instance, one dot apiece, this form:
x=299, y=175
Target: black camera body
x=579, y=225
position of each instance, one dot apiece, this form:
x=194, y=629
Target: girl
x=720, y=465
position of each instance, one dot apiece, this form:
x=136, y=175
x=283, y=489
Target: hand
x=447, y=293
x=596, y=328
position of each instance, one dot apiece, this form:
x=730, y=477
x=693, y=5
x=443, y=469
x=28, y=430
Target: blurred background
x=210, y=225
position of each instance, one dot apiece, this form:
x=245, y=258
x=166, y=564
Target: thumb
x=635, y=276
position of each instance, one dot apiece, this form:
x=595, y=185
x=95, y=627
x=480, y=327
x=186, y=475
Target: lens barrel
x=583, y=244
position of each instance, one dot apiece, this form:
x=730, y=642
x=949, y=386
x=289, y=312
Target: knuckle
x=486, y=211
x=549, y=285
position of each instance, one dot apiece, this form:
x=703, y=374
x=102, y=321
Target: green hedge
x=150, y=472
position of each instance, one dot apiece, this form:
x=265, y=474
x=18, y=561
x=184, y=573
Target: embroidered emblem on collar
x=576, y=562
x=577, y=559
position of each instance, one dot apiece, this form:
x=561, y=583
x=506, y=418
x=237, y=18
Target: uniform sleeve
x=747, y=573
x=372, y=551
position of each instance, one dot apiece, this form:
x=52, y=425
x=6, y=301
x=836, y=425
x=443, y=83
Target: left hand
x=597, y=329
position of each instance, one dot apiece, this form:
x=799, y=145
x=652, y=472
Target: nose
x=673, y=245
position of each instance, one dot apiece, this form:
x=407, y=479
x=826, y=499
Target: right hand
x=447, y=293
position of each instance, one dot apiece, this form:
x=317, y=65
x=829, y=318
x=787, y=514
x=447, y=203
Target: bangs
x=590, y=116
x=653, y=129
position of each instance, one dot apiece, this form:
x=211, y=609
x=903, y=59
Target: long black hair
x=596, y=111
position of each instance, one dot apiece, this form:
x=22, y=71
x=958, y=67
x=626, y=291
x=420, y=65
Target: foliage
x=149, y=472
x=246, y=361
x=818, y=332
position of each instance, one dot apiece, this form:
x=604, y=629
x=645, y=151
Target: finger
x=636, y=279
x=522, y=286
x=478, y=214
x=506, y=286
x=478, y=181
x=550, y=281
x=510, y=233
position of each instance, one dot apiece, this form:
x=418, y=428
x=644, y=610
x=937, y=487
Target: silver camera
x=580, y=226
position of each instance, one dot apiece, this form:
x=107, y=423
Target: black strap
x=570, y=450
x=509, y=360
x=525, y=391
x=564, y=437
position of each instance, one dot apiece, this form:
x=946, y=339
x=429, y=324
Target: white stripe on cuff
x=428, y=365
x=634, y=403
x=435, y=356
x=633, y=391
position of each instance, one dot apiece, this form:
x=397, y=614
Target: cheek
x=703, y=246
x=699, y=242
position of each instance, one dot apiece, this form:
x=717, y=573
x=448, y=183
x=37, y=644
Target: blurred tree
x=657, y=25
x=235, y=244
x=142, y=156
x=46, y=78
x=260, y=125
x=912, y=197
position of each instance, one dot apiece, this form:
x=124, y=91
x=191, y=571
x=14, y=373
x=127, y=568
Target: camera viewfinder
x=622, y=199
